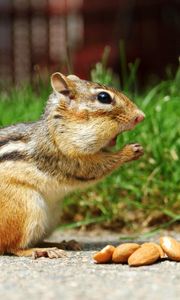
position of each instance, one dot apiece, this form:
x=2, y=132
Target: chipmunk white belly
x=45, y=211
x=53, y=195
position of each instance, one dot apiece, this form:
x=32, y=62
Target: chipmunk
x=65, y=150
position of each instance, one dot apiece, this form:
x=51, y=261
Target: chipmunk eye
x=104, y=97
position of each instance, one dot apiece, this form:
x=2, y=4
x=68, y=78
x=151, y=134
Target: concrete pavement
x=77, y=277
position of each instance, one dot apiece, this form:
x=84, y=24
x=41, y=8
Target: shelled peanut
x=171, y=247
x=147, y=254
x=139, y=255
x=123, y=252
x=105, y=255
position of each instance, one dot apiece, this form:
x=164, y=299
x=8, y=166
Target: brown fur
x=11, y=221
x=66, y=149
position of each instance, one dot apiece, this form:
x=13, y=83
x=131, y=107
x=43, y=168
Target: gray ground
x=78, y=277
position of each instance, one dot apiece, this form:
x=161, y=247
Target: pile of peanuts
x=140, y=255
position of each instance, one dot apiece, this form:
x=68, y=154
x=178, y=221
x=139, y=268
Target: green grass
x=22, y=104
x=141, y=194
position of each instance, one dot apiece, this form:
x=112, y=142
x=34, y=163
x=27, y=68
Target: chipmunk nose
x=139, y=118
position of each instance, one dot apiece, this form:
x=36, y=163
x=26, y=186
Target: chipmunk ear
x=73, y=77
x=59, y=82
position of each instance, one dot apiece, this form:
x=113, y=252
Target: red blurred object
x=44, y=35
x=150, y=30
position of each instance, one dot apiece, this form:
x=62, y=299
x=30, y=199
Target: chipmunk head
x=86, y=117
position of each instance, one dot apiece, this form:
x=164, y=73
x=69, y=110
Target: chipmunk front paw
x=133, y=151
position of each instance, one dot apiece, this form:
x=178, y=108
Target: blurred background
x=70, y=35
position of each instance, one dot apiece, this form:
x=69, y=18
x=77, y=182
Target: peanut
x=147, y=254
x=105, y=255
x=171, y=247
x=123, y=251
x=161, y=252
